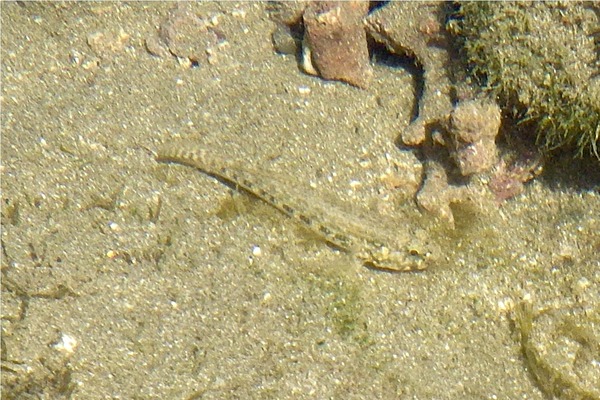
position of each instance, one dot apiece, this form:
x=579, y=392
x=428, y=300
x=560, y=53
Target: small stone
x=283, y=40
x=304, y=90
x=66, y=344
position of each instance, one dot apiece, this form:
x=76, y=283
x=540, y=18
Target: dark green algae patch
x=541, y=60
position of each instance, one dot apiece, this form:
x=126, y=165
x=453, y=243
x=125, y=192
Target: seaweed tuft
x=541, y=60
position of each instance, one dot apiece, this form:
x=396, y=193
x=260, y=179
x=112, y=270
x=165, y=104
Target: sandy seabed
x=125, y=278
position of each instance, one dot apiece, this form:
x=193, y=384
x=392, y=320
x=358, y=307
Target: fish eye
x=414, y=252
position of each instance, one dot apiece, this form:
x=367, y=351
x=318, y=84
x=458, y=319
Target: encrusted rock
x=436, y=195
x=186, y=35
x=472, y=130
x=335, y=42
x=417, y=29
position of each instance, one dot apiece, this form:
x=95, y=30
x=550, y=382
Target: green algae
x=541, y=60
